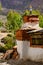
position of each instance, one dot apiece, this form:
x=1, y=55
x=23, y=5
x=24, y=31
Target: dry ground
x=26, y=62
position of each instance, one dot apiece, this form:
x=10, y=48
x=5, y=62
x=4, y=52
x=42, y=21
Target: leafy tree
x=41, y=21
x=34, y=12
x=26, y=12
x=14, y=21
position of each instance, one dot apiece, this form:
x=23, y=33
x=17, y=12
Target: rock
x=5, y=63
x=11, y=54
x=15, y=48
x=7, y=54
x=1, y=55
x=17, y=57
x=15, y=53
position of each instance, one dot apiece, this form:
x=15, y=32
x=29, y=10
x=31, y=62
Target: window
x=36, y=39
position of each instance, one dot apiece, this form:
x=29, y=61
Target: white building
x=25, y=46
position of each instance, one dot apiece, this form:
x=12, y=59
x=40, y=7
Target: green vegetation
x=26, y=12
x=34, y=12
x=1, y=24
x=2, y=49
x=14, y=21
x=41, y=21
x=9, y=42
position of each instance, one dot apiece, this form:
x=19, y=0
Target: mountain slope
x=15, y=4
x=37, y=4
x=22, y=4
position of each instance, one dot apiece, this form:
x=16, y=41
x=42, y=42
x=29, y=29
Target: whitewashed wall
x=35, y=54
x=27, y=52
x=22, y=48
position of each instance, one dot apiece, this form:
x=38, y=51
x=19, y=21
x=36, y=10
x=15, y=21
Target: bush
x=9, y=42
x=41, y=21
x=10, y=35
x=2, y=49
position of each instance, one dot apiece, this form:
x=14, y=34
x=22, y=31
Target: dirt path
x=21, y=62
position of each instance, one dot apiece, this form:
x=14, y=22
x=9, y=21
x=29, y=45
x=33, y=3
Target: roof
x=30, y=18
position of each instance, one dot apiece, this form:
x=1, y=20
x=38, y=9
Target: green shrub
x=9, y=42
x=41, y=21
x=10, y=35
x=2, y=49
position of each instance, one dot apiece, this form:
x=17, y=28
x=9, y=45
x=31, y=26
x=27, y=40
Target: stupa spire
x=30, y=9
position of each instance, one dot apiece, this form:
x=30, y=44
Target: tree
x=34, y=12
x=41, y=21
x=26, y=12
x=14, y=21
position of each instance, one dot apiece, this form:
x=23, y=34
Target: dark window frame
x=38, y=39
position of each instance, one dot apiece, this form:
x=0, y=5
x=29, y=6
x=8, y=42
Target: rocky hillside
x=37, y=4
x=15, y=4
x=22, y=4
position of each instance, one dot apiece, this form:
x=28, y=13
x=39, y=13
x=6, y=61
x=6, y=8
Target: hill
x=22, y=4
